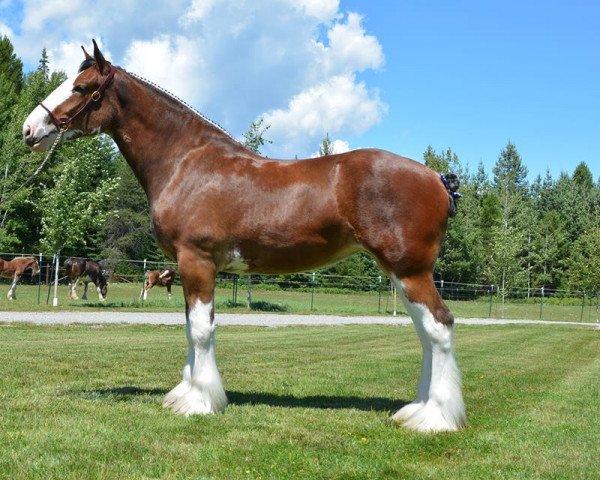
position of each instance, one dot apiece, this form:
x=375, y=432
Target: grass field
x=79, y=402
x=125, y=296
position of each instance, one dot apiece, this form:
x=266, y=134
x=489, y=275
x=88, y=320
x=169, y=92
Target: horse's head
x=35, y=267
x=78, y=106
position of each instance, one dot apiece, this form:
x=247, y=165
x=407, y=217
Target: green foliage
x=326, y=147
x=127, y=231
x=254, y=137
x=74, y=208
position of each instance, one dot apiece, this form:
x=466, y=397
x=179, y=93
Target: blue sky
x=469, y=75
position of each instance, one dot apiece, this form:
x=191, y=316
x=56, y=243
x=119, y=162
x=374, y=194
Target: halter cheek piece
x=65, y=122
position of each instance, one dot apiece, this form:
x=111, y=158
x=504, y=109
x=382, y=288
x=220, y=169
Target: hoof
x=195, y=402
x=428, y=417
x=175, y=394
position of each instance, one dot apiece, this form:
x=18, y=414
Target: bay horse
x=15, y=268
x=217, y=206
x=156, y=277
x=86, y=270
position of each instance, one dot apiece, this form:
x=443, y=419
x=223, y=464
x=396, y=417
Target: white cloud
x=6, y=31
x=171, y=62
x=339, y=105
x=323, y=10
x=340, y=146
x=350, y=48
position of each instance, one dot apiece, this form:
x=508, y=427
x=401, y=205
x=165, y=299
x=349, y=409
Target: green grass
x=79, y=402
x=125, y=297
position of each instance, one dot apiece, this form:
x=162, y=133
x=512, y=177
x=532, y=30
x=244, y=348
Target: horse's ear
x=100, y=60
x=87, y=55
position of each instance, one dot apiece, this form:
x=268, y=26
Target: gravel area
x=250, y=319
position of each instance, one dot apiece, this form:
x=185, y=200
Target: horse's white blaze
x=439, y=404
x=201, y=390
x=39, y=121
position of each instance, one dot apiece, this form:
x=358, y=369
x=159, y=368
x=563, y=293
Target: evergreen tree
x=326, y=147
x=127, y=232
x=19, y=215
x=510, y=174
x=11, y=81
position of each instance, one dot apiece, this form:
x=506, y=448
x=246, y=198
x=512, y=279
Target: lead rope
x=61, y=132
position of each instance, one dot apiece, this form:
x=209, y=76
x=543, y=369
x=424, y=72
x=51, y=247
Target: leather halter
x=65, y=122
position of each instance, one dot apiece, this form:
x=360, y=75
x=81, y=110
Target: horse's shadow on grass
x=377, y=404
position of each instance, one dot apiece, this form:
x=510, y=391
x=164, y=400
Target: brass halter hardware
x=65, y=122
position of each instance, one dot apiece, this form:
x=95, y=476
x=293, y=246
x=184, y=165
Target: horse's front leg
x=73, y=289
x=12, y=291
x=201, y=389
x=85, y=288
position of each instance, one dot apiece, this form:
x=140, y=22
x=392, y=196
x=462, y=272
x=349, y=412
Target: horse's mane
x=89, y=62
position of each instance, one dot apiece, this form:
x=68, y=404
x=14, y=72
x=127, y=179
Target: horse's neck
x=154, y=132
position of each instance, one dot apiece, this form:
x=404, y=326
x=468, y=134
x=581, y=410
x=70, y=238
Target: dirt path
x=252, y=319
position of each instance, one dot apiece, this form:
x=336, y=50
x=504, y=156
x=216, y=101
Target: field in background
x=305, y=402
x=125, y=296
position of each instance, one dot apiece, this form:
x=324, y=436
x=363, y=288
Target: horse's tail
x=452, y=183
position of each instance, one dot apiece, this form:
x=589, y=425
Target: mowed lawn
x=79, y=402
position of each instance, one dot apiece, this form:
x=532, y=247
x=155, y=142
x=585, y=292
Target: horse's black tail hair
x=452, y=183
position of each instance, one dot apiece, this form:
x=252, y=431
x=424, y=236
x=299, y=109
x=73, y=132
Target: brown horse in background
x=156, y=277
x=15, y=268
x=86, y=270
x=217, y=206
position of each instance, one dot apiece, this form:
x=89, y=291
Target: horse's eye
x=79, y=89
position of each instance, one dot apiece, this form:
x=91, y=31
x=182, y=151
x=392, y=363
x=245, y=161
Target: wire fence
x=314, y=291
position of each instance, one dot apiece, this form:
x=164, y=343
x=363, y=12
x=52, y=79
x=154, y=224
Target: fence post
x=582, y=307
x=542, y=302
x=491, y=300
x=379, y=295
x=143, y=280
x=312, y=294
x=55, y=299
x=249, y=291
x=41, y=264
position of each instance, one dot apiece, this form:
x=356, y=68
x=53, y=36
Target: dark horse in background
x=15, y=268
x=163, y=278
x=216, y=206
x=85, y=270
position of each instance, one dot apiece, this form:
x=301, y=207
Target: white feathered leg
x=201, y=390
x=439, y=405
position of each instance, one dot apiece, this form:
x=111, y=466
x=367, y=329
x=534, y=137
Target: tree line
x=509, y=232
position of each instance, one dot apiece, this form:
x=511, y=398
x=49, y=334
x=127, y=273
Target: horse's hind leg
x=439, y=404
x=12, y=291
